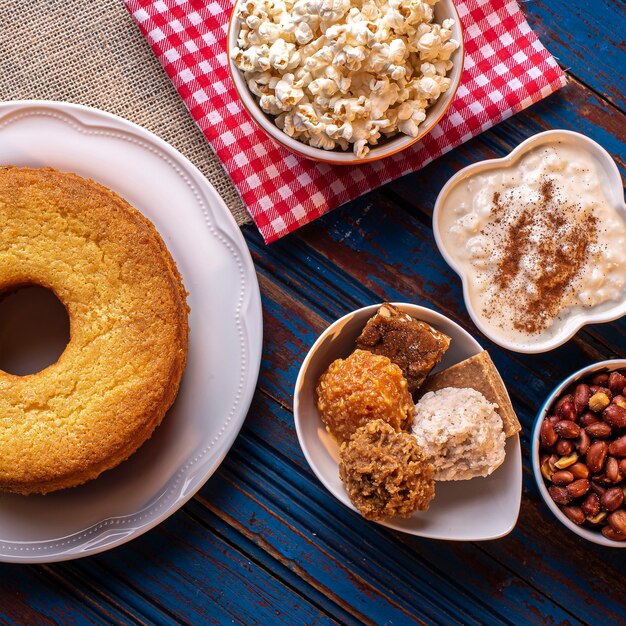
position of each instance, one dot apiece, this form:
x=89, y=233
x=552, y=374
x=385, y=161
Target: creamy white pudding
x=537, y=240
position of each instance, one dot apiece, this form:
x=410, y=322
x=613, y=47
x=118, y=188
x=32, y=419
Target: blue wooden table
x=263, y=542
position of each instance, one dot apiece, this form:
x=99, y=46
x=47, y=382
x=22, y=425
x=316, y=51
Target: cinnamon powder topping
x=546, y=244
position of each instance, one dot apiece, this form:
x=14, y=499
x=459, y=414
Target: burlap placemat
x=91, y=52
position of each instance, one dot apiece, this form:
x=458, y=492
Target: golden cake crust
x=122, y=367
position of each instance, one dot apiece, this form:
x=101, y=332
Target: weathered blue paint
x=263, y=542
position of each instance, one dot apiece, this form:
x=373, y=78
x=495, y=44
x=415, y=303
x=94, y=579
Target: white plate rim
x=221, y=225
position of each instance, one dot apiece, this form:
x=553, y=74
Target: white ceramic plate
x=472, y=510
x=578, y=316
x=225, y=338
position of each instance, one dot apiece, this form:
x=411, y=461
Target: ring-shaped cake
x=126, y=302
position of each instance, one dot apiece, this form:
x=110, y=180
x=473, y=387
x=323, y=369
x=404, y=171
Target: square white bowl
x=474, y=510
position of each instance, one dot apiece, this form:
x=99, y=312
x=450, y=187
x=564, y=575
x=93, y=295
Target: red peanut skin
x=597, y=481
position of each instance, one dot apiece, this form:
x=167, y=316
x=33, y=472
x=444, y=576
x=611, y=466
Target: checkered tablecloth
x=506, y=69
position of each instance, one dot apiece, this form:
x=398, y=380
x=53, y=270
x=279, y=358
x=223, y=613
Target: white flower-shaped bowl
x=594, y=536
x=615, y=194
x=444, y=9
x=467, y=510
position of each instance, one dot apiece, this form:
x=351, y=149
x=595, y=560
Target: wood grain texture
x=263, y=542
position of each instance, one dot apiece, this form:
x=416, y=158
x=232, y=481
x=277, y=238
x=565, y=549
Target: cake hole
x=34, y=330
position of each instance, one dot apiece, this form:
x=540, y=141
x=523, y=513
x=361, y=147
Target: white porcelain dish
x=615, y=194
x=585, y=533
x=444, y=9
x=473, y=510
x=225, y=337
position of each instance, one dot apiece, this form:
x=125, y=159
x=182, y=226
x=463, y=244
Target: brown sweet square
x=414, y=346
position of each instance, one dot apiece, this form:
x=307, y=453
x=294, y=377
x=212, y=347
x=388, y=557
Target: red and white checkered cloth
x=506, y=69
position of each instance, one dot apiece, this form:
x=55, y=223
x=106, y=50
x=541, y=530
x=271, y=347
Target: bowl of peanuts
x=579, y=452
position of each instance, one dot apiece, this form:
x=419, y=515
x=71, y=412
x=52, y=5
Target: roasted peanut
x=616, y=382
x=548, y=436
x=564, y=447
x=615, y=416
x=566, y=461
x=602, y=479
x=601, y=378
x=583, y=443
x=599, y=430
x=568, y=411
x=579, y=470
x=588, y=418
x=562, y=477
x=599, y=401
x=574, y=513
x=597, y=487
x=610, y=533
x=578, y=488
x=612, y=499
x=568, y=397
x=612, y=470
x=618, y=447
x=597, y=519
x=596, y=456
x=622, y=467
x=591, y=505
x=559, y=494
x=600, y=389
x=617, y=520
x=581, y=398
x=546, y=469
x=567, y=429
x=620, y=401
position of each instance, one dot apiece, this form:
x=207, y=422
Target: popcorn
x=344, y=73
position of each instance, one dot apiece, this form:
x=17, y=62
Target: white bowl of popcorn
x=345, y=81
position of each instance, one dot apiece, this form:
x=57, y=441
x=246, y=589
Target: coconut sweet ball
x=385, y=472
x=362, y=388
x=460, y=432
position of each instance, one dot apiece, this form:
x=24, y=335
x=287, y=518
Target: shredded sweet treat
x=460, y=433
x=362, y=388
x=411, y=344
x=385, y=473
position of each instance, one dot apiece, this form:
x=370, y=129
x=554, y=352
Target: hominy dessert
x=539, y=242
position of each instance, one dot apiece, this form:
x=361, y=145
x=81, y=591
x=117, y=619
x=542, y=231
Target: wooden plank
x=190, y=573
x=31, y=595
x=588, y=38
x=356, y=561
